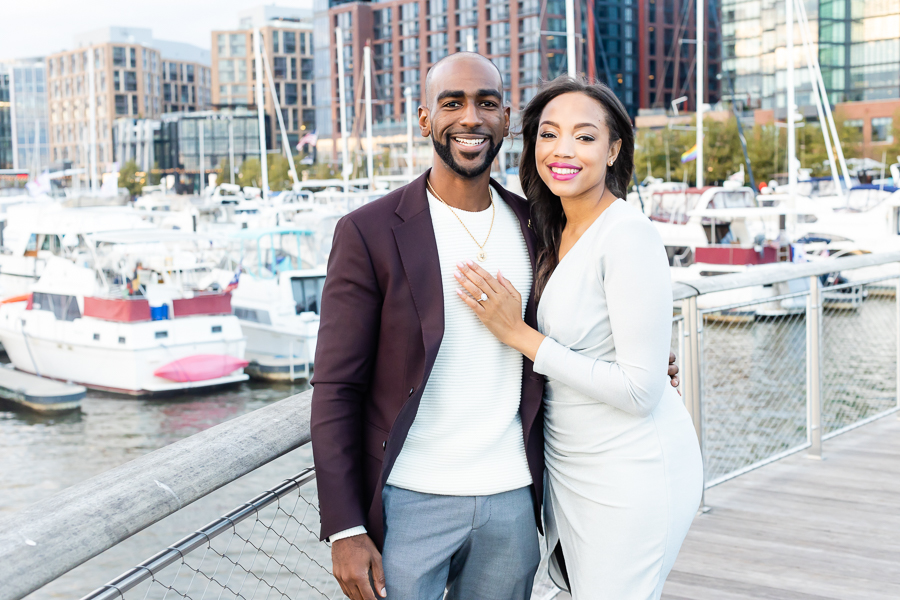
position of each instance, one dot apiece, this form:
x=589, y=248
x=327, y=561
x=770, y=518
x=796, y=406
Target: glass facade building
x=23, y=115
x=857, y=43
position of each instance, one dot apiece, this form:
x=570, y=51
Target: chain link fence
x=265, y=549
x=859, y=353
x=754, y=361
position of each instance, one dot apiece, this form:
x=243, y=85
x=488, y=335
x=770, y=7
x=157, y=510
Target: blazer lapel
x=419, y=254
x=523, y=213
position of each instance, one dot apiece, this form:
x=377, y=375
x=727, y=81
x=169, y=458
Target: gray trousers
x=475, y=547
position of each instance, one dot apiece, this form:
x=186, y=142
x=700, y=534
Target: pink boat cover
x=734, y=255
x=207, y=304
x=200, y=367
x=121, y=310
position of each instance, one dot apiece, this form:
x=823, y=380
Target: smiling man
x=426, y=430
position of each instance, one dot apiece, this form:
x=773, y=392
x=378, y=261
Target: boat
x=132, y=329
x=35, y=233
x=277, y=299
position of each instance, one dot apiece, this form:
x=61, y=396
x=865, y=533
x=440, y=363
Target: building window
x=290, y=42
x=881, y=129
x=856, y=124
x=121, y=104
x=130, y=81
x=167, y=92
x=306, y=68
x=293, y=68
x=134, y=105
x=290, y=93
x=275, y=36
x=133, y=55
x=117, y=84
x=279, y=66
x=173, y=71
x=118, y=56
x=184, y=94
x=190, y=73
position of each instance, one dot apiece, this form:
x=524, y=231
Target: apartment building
x=126, y=65
x=287, y=40
x=186, y=77
x=23, y=115
x=667, y=52
x=524, y=39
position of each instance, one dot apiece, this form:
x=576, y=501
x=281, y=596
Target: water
x=42, y=455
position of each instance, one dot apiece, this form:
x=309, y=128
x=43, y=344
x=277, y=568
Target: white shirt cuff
x=358, y=530
x=550, y=355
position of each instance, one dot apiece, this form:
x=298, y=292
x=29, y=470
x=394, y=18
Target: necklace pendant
x=481, y=256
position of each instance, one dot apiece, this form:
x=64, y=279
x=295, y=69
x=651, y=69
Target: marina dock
x=39, y=393
x=801, y=528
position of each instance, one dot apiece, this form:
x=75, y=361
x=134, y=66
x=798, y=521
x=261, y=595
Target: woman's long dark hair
x=548, y=218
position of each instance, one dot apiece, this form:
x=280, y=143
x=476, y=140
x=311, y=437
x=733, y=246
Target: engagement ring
x=483, y=297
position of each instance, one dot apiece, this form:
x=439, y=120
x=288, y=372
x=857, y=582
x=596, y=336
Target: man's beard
x=446, y=154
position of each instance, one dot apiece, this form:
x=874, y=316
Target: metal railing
x=763, y=378
x=777, y=374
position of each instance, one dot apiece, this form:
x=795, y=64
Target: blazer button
x=384, y=445
x=412, y=391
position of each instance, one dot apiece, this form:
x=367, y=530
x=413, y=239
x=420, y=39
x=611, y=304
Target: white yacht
x=277, y=301
x=137, y=336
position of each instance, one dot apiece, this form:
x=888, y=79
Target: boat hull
x=117, y=357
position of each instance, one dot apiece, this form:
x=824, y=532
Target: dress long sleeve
x=633, y=271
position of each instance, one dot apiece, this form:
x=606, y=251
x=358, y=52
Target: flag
x=232, y=285
x=689, y=155
x=310, y=138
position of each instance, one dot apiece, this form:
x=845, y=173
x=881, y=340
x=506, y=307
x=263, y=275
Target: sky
x=40, y=27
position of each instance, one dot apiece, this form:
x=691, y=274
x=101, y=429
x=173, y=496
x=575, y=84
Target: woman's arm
x=634, y=272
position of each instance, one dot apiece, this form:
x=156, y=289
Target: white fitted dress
x=624, y=473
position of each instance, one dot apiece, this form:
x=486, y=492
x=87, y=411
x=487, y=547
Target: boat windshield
x=307, y=293
x=733, y=199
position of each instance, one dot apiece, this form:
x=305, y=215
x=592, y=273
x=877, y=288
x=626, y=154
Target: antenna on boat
x=701, y=25
x=260, y=108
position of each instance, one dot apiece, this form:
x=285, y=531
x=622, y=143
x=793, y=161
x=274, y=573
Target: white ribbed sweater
x=467, y=438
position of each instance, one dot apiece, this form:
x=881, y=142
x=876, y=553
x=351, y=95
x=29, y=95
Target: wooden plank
x=802, y=529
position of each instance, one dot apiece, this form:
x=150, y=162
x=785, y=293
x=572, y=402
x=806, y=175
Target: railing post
x=813, y=369
x=693, y=326
x=897, y=305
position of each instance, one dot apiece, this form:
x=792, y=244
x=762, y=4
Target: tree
x=129, y=178
x=250, y=173
x=763, y=142
x=279, y=173
x=851, y=136
x=893, y=151
x=223, y=173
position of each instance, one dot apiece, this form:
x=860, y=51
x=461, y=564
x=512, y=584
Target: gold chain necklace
x=482, y=255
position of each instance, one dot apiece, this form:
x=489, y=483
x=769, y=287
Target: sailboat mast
x=339, y=37
x=791, y=131
x=92, y=123
x=701, y=26
x=260, y=113
x=370, y=159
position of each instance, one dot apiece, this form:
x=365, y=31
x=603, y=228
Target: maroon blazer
x=382, y=322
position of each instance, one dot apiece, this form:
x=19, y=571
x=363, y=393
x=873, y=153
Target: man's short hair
x=452, y=57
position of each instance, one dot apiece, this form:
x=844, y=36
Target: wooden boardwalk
x=802, y=529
